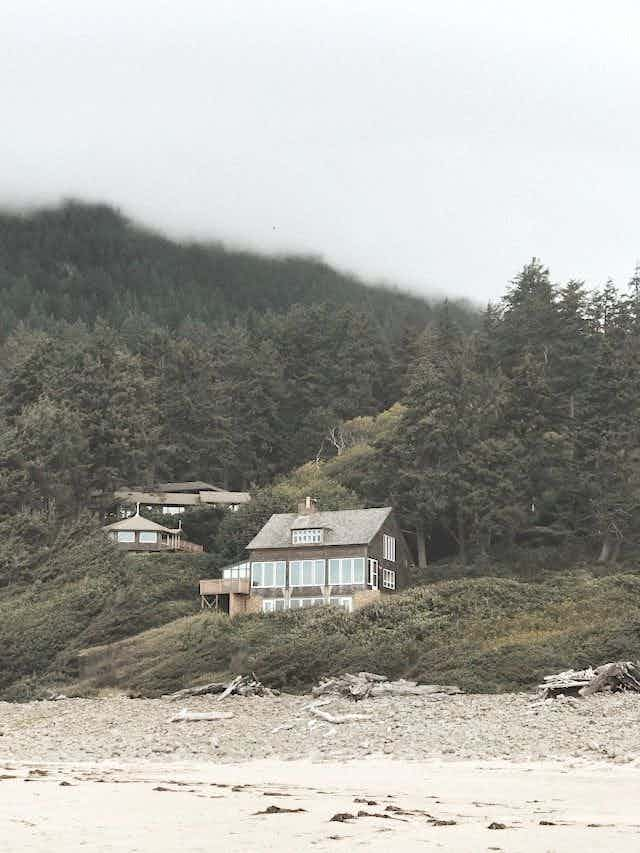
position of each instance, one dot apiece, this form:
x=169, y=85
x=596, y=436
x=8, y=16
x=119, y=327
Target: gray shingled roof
x=342, y=527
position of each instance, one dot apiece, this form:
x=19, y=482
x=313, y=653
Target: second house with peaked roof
x=346, y=558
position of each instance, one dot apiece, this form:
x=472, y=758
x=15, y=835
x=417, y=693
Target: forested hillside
x=509, y=442
x=127, y=357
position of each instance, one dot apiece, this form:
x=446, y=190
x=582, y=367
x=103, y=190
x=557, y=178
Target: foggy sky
x=436, y=145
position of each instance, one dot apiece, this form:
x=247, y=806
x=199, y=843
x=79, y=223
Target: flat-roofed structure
x=175, y=498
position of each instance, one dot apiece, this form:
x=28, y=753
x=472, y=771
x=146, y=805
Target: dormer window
x=308, y=536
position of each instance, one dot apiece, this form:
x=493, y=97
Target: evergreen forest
x=507, y=437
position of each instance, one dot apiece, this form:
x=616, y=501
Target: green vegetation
x=509, y=444
x=484, y=635
x=67, y=588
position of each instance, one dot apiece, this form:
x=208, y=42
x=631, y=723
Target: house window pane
x=148, y=536
x=389, y=548
x=358, y=570
x=295, y=573
x=267, y=606
x=256, y=574
x=334, y=572
x=306, y=537
x=281, y=574
x=267, y=574
x=172, y=510
x=319, y=573
x=307, y=573
x=278, y=603
x=126, y=536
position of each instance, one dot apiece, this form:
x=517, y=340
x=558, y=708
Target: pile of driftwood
x=609, y=678
x=241, y=685
x=368, y=684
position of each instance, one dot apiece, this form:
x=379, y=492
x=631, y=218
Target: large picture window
x=126, y=536
x=269, y=574
x=348, y=570
x=307, y=573
x=149, y=537
x=306, y=537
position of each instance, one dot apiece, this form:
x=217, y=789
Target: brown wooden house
x=346, y=558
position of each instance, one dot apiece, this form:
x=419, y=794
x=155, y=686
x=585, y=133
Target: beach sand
x=201, y=807
x=116, y=775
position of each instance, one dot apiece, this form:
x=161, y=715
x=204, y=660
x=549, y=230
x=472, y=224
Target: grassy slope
x=484, y=634
x=80, y=591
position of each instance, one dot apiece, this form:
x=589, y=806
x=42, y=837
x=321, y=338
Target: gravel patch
x=514, y=727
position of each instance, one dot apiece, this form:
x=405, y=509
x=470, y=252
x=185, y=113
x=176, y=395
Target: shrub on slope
x=484, y=635
x=73, y=589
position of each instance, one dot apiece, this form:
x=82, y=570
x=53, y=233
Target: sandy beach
x=115, y=774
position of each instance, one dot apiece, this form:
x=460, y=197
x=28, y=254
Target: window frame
x=389, y=578
x=239, y=571
x=143, y=534
x=316, y=570
x=125, y=537
x=274, y=564
x=351, y=579
x=389, y=547
x=307, y=536
x=373, y=573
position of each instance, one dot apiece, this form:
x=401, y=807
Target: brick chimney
x=308, y=506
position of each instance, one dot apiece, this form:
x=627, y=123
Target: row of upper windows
x=347, y=570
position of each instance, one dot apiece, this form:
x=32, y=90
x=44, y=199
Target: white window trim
x=315, y=582
x=269, y=605
x=274, y=585
x=346, y=582
x=129, y=535
x=373, y=573
x=389, y=578
x=143, y=537
x=389, y=547
x=307, y=536
x=240, y=570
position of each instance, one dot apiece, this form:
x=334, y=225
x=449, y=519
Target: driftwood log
x=338, y=719
x=241, y=685
x=186, y=716
x=608, y=678
x=369, y=684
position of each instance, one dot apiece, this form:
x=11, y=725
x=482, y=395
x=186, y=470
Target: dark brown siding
x=403, y=555
x=329, y=552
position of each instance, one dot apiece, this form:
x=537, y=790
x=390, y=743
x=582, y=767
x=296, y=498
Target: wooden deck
x=221, y=586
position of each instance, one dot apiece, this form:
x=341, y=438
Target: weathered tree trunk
x=610, y=550
x=462, y=544
x=422, y=546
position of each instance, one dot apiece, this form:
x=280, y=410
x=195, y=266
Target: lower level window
x=296, y=603
x=388, y=579
x=349, y=570
x=342, y=601
x=271, y=605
